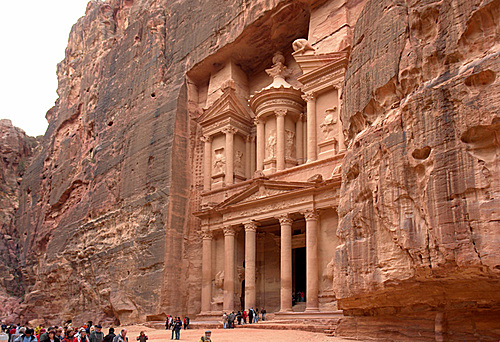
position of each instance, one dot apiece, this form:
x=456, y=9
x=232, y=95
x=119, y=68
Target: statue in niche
x=219, y=280
x=271, y=146
x=238, y=161
x=290, y=144
x=302, y=47
x=328, y=275
x=219, y=161
x=328, y=124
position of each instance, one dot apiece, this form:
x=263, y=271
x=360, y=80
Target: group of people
x=85, y=333
x=241, y=316
x=175, y=324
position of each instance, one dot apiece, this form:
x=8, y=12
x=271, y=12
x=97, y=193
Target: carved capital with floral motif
x=285, y=219
x=229, y=231
x=311, y=215
x=206, y=235
x=250, y=227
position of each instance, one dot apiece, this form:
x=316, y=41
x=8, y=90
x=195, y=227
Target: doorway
x=298, y=274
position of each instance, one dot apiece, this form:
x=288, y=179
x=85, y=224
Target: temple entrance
x=299, y=276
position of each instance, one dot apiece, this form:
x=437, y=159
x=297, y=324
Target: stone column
x=280, y=138
x=229, y=233
x=250, y=252
x=206, y=271
x=312, y=141
x=229, y=132
x=311, y=217
x=248, y=157
x=252, y=155
x=261, y=143
x=207, y=158
x=286, y=263
x=299, y=137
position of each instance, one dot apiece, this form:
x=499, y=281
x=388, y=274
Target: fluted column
x=280, y=138
x=299, y=137
x=311, y=217
x=206, y=271
x=229, y=132
x=207, y=158
x=312, y=141
x=229, y=234
x=286, y=263
x=250, y=250
x=248, y=157
x=261, y=143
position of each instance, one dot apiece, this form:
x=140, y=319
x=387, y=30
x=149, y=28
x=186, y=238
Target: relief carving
x=328, y=124
x=219, y=280
x=219, y=161
x=290, y=144
x=238, y=162
x=271, y=145
x=302, y=46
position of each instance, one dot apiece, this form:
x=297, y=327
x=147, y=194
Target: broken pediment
x=230, y=107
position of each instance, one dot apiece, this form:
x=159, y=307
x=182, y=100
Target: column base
x=312, y=309
x=285, y=310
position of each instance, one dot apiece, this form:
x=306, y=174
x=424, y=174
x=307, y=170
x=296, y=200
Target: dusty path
x=232, y=335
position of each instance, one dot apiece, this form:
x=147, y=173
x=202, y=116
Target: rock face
x=16, y=149
x=420, y=200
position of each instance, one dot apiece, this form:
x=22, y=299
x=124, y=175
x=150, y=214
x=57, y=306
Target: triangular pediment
x=262, y=190
x=229, y=105
x=310, y=63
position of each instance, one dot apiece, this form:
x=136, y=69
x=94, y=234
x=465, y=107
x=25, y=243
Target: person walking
x=121, y=337
x=110, y=336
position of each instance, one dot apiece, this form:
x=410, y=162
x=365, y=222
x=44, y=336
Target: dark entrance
x=299, y=271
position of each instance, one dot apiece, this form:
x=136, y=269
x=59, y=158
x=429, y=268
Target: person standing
x=230, y=319
x=142, y=337
x=186, y=322
x=70, y=336
x=110, y=336
x=245, y=317
x=207, y=337
x=256, y=315
x=224, y=320
x=238, y=317
x=177, y=328
x=27, y=335
x=250, y=315
x=263, y=312
x=82, y=336
x=97, y=335
x=121, y=337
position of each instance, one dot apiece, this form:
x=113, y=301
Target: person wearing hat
x=82, y=336
x=207, y=337
x=97, y=335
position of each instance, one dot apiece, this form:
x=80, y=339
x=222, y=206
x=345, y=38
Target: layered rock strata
x=420, y=190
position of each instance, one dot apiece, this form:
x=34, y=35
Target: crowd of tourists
x=241, y=317
x=175, y=324
x=67, y=333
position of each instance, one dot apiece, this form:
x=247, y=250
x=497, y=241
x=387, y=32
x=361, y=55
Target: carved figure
x=327, y=126
x=219, y=161
x=279, y=68
x=238, y=161
x=290, y=144
x=271, y=146
x=219, y=279
x=302, y=46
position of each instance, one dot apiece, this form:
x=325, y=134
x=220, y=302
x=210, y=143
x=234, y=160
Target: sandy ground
x=230, y=335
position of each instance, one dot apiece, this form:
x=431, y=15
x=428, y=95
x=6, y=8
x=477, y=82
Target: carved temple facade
x=270, y=152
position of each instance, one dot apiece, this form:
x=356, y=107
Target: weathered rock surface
x=420, y=197
x=16, y=149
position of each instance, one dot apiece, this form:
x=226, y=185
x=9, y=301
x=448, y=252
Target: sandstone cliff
x=16, y=149
x=420, y=191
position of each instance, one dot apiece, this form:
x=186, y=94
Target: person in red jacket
x=70, y=336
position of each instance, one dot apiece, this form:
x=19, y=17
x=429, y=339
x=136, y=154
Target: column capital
x=229, y=231
x=280, y=112
x=285, y=219
x=250, y=226
x=311, y=215
x=301, y=117
x=309, y=97
x=229, y=130
x=206, y=138
x=250, y=138
x=206, y=235
x=258, y=121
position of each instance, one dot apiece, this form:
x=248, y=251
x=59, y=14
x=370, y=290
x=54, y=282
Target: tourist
x=186, y=322
x=27, y=335
x=59, y=336
x=70, y=336
x=302, y=296
x=250, y=315
x=207, y=337
x=82, y=336
x=224, y=321
x=40, y=333
x=52, y=336
x=263, y=312
x=121, y=337
x=238, y=317
x=230, y=319
x=245, y=317
x=256, y=315
x=177, y=328
x=142, y=337
x=45, y=336
x=110, y=336
x=97, y=335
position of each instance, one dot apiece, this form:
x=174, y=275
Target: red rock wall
x=420, y=200
x=16, y=149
